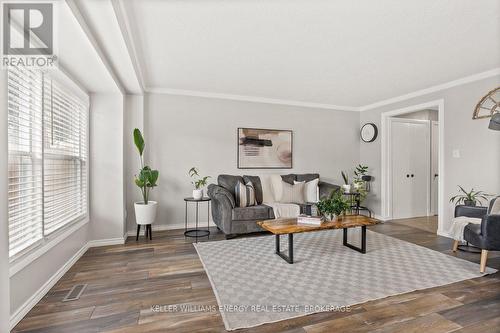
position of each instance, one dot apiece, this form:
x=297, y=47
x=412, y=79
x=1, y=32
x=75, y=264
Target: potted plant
x=333, y=206
x=359, y=173
x=145, y=211
x=198, y=182
x=469, y=198
x=346, y=187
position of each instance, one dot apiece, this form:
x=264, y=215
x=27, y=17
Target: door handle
x=407, y=176
x=436, y=175
x=412, y=175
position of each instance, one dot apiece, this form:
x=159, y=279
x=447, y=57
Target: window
x=47, y=134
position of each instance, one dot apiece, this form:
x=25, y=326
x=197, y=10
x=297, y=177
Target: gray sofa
x=234, y=220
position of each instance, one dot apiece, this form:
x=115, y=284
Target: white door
x=410, y=166
x=434, y=166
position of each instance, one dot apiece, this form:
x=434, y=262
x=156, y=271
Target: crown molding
x=259, y=99
x=246, y=98
x=433, y=89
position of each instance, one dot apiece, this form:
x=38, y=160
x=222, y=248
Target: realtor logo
x=28, y=34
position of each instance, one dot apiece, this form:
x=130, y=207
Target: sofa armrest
x=216, y=192
x=325, y=189
x=490, y=230
x=222, y=207
x=470, y=211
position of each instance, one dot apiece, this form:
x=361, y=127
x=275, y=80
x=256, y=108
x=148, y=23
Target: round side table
x=196, y=232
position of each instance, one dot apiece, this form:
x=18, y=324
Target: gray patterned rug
x=254, y=286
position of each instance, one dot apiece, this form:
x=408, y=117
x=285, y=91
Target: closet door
x=401, y=184
x=410, y=154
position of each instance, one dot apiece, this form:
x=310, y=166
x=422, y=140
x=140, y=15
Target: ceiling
x=344, y=53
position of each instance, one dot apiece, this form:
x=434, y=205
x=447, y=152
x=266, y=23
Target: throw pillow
x=311, y=190
x=495, y=206
x=292, y=193
x=244, y=194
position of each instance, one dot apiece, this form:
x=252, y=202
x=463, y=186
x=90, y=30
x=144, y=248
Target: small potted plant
x=198, y=182
x=469, y=198
x=333, y=206
x=145, y=211
x=359, y=173
x=346, y=186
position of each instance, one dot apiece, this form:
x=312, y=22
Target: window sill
x=20, y=263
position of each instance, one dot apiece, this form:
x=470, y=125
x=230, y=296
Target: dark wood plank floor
x=126, y=281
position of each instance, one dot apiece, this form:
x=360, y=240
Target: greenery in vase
x=469, y=196
x=334, y=205
x=359, y=183
x=147, y=177
x=201, y=181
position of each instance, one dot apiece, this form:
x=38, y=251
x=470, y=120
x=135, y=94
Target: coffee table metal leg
x=363, y=240
x=289, y=258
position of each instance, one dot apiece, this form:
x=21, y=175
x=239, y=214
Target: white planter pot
x=346, y=188
x=198, y=194
x=145, y=214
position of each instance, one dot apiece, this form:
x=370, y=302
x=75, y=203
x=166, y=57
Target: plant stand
x=147, y=231
x=196, y=232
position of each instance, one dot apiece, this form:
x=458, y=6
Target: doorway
x=412, y=146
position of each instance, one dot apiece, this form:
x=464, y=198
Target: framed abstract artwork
x=264, y=148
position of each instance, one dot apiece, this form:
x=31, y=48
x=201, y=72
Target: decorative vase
x=198, y=194
x=145, y=214
x=470, y=203
x=346, y=188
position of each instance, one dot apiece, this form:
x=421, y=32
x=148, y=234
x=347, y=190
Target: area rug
x=254, y=286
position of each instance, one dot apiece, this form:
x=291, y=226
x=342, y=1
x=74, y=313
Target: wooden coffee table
x=289, y=226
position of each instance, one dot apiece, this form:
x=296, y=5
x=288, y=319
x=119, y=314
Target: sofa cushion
x=257, y=185
x=292, y=193
x=307, y=177
x=289, y=178
x=229, y=182
x=259, y=212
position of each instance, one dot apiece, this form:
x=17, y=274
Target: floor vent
x=75, y=292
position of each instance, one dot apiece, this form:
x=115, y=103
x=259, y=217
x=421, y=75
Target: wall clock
x=369, y=132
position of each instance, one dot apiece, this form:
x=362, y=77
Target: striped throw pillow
x=244, y=194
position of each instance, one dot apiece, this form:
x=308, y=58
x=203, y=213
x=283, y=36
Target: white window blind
x=47, y=157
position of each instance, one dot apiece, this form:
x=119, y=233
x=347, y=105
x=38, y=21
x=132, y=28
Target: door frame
x=391, y=120
x=433, y=123
x=385, y=161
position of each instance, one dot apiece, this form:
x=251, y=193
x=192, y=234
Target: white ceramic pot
x=346, y=188
x=145, y=214
x=198, y=194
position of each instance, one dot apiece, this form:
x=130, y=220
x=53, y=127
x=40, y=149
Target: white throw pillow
x=311, y=190
x=292, y=193
x=276, y=181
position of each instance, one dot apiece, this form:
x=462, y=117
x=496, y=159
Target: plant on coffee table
x=333, y=206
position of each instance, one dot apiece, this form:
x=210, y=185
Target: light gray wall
x=107, y=191
x=4, y=228
x=479, y=147
x=183, y=131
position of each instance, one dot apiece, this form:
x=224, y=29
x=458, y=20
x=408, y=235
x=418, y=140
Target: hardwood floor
x=125, y=282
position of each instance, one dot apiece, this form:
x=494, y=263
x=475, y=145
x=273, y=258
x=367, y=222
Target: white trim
x=126, y=31
x=433, y=89
x=256, y=99
x=385, y=172
x=260, y=99
x=163, y=227
x=20, y=263
x=87, y=30
x=40, y=293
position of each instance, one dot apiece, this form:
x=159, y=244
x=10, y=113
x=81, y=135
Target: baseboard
x=162, y=227
x=40, y=293
x=106, y=242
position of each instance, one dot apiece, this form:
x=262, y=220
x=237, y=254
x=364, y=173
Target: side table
x=196, y=232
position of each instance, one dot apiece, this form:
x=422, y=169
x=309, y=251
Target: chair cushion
x=472, y=234
x=229, y=182
x=257, y=185
x=252, y=213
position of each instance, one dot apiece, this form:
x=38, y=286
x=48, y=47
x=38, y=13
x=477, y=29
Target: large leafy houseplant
x=469, y=198
x=333, y=206
x=147, y=177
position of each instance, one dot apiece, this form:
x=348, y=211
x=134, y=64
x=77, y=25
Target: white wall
x=4, y=228
x=183, y=131
x=479, y=147
x=107, y=191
